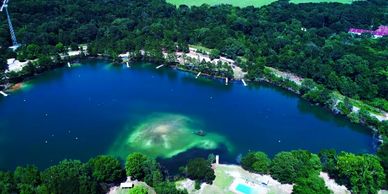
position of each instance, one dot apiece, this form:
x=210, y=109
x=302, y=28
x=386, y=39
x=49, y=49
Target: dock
x=68, y=64
x=243, y=81
x=128, y=65
x=3, y=93
x=158, y=67
x=226, y=81
x=196, y=77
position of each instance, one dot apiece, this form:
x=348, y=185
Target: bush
x=138, y=190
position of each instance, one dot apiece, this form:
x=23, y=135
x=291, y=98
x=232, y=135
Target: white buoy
x=196, y=77
x=68, y=64
x=127, y=64
x=226, y=81
x=243, y=81
x=159, y=66
x=3, y=93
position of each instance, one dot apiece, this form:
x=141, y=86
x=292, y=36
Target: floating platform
x=3, y=93
x=196, y=77
x=160, y=66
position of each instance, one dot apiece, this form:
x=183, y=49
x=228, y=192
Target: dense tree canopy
x=287, y=167
x=106, y=169
x=355, y=66
x=200, y=169
x=256, y=162
x=69, y=176
x=311, y=184
x=362, y=174
x=142, y=168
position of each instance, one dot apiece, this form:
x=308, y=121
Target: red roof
x=356, y=30
x=381, y=31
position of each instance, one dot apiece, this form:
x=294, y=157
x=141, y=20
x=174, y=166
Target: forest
x=310, y=39
x=360, y=173
x=272, y=35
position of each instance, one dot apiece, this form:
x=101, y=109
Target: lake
x=97, y=108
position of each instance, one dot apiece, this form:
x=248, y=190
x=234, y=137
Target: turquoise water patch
x=244, y=189
x=165, y=135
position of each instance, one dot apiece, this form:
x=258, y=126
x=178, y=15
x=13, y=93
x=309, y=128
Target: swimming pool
x=244, y=189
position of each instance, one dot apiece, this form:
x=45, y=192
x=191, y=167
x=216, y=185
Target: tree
x=69, y=176
x=27, y=175
x=200, y=169
x=60, y=48
x=257, y=162
x=6, y=183
x=138, y=190
x=214, y=54
x=383, y=155
x=311, y=184
x=27, y=179
x=360, y=173
x=134, y=165
x=106, y=169
x=288, y=166
x=329, y=161
x=283, y=167
x=153, y=175
x=345, y=107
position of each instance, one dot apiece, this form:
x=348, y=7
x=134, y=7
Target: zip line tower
x=15, y=43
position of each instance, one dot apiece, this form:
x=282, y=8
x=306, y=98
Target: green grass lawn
x=199, y=47
x=244, y=3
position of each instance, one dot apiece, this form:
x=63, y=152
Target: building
x=126, y=185
x=380, y=32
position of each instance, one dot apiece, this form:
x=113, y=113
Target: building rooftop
x=381, y=31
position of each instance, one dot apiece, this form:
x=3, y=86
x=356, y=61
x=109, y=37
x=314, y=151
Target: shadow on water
x=173, y=164
x=161, y=72
x=219, y=84
x=278, y=89
x=326, y=115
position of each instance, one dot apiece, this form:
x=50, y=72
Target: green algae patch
x=165, y=135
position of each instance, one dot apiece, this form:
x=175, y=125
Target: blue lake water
x=97, y=108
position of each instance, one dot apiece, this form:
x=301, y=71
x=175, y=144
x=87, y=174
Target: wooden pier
x=3, y=93
x=243, y=81
x=160, y=66
x=196, y=77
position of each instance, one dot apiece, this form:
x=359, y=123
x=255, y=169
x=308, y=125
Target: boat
x=200, y=133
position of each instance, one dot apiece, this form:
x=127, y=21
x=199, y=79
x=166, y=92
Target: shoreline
x=180, y=60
